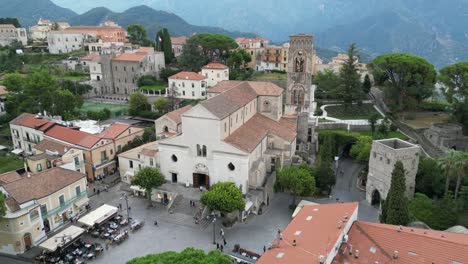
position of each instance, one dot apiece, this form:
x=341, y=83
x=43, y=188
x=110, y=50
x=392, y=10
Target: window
x=39, y=167
x=111, y=151
x=130, y=164
x=193, y=85
x=62, y=200
x=388, y=161
x=43, y=210
x=139, y=166
x=48, y=164
x=198, y=150
x=174, y=158
x=33, y=215
x=103, y=156
x=193, y=93
x=183, y=92
x=125, y=68
x=231, y=166
x=78, y=190
x=77, y=161
x=225, y=127
x=375, y=155
x=151, y=162
x=204, y=151
x=119, y=148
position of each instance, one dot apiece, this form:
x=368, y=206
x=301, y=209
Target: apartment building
x=60, y=42
x=109, y=32
x=130, y=162
x=188, y=85
x=215, y=73
x=9, y=33
x=274, y=58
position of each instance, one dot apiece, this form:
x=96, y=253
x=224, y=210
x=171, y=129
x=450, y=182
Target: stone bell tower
x=300, y=93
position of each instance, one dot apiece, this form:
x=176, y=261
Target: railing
x=65, y=205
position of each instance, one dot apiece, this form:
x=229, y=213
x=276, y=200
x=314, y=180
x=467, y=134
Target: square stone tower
x=384, y=154
x=299, y=93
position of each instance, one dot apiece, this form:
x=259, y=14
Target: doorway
x=27, y=240
x=46, y=225
x=200, y=179
x=375, y=201
x=174, y=177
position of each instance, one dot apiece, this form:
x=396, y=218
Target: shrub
x=434, y=106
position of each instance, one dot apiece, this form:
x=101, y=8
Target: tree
x=10, y=20
x=164, y=44
x=397, y=212
x=372, y=121
x=297, y=180
x=350, y=80
x=361, y=150
x=405, y=76
x=14, y=82
x=188, y=255
x=3, y=207
x=65, y=103
x=429, y=178
x=161, y=104
x=55, y=26
x=148, y=178
x=366, y=85
x=138, y=103
x=192, y=57
x=327, y=148
x=238, y=59
x=324, y=176
x=137, y=34
x=448, y=164
x=224, y=197
x=214, y=45
x=328, y=83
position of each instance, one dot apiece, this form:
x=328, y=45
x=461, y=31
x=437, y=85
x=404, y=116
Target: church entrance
x=375, y=198
x=200, y=179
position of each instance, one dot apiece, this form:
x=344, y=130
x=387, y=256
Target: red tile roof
x=114, y=130
x=41, y=184
x=145, y=50
x=51, y=145
x=8, y=177
x=223, y=86
x=314, y=237
x=261, y=88
x=95, y=57
x=130, y=57
x=30, y=120
x=250, y=134
x=72, y=136
x=378, y=242
x=188, y=76
x=176, y=114
x=215, y=66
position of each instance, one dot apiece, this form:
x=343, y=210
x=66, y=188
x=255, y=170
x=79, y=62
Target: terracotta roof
x=215, y=66
x=95, y=57
x=250, y=134
x=145, y=50
x=377, y=242
x=261, y=88
x=249, y=40
x=149, y=152
x=130, y=57
x=228, y=102
x=43, y=156
x=78, y=28
x=51, y=145
x=314, y=237
x=30, y=120
x=6, y=26
x=8, y=177
x=41, y=184
x=72, y=136
x=178, y=40
x=12, y=204
x=288, y=122
x=176, y=114
x=114, y=130
x=188, y=76
x=3, y=90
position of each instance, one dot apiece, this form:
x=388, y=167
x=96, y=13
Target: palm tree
x=461, y=167
x=447, y=164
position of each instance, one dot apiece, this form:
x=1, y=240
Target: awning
x=81, y=202
x=17, y=151
x=99, y=215
x=62, y=239
x=137, y=188
x=300, y=205
x=248, y=205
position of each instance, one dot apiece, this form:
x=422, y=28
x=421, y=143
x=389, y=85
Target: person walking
x=264, y=249
x=217, y=245
x=155, y=222
x=221, y=247
x=224, y=241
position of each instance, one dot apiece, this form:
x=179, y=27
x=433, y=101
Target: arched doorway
x=27, y=240
x=298, y=96
x=46, y=225
x=375, y=201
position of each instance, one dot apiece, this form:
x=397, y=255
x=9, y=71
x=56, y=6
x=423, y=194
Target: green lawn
x=156, y=87
x=9, y=163
x=262, y=76
x=352, y=112
x=93, y=106
x=391, y=134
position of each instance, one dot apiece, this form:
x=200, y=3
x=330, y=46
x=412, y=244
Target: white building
x=237, y=135
x=130, y=162
x=27, y=131
x=64, y=42
x=3, y=95
x=215, y=73
x=9, y=33
x=170, y=124
x=188, y=85
x=92, y=62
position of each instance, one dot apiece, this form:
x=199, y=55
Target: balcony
x=65, y=205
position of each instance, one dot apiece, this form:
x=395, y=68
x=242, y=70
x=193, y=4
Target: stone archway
x=376, y=198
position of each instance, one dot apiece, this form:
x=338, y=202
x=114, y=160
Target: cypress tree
x=396, y=204
x=167, y=46
x=366, y=85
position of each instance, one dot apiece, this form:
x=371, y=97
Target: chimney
x=340, y=223
x=395, y=254
x=294, y=243
x=356, y=253
x=350, y=249
x=321, y=259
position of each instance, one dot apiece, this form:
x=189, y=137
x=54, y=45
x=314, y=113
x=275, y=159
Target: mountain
x=29, y=11
x=434, y=29
x=152, y=19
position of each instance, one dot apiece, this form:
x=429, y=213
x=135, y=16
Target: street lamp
x=124, y=196
x=213, y=216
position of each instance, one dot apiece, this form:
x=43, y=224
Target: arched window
x=266, y=106
x=174, y=158
x=231, y=166
x=204, y=151
x=166, y=129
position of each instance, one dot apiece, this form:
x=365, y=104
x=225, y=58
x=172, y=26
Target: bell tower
x=299, y=94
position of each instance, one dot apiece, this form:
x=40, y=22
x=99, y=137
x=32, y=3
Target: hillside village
x=225, y=150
